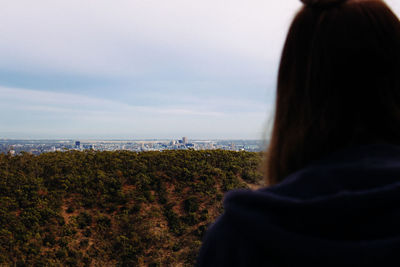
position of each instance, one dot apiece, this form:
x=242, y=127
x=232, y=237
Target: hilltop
x=114, y=208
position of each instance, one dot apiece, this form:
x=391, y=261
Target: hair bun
x=322, y=3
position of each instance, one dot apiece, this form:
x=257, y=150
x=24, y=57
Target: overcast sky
x=137, y=69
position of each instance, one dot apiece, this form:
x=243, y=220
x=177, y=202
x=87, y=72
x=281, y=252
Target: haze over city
x=140, y=69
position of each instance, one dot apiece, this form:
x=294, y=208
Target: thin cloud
x=73, y=103
x=51, y=114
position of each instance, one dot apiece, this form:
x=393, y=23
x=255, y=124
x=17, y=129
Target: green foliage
x=191, y=204
x=174, y=222
x=84, y=219
x=114, y=208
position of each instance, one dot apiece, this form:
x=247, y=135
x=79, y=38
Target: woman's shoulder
x=314, y=217
x=228, y=243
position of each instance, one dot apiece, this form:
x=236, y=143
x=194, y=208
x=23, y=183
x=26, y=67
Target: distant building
x=184, y=140
x=78, y=145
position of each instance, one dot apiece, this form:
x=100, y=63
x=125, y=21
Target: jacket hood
x=341, y=210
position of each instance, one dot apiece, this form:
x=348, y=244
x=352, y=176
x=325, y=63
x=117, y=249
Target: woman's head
x=338, y=83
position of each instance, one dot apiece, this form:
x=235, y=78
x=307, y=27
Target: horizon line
x=123, y=139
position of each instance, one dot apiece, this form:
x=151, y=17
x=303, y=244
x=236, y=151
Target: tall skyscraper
x=184, y=140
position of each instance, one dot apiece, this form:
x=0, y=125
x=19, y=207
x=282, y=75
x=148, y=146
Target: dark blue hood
x=343, y=210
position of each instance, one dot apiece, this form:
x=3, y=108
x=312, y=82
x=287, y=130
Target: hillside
x=114, y=208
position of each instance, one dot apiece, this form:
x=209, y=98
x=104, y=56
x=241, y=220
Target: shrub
x=84, y=219
x=191, y=204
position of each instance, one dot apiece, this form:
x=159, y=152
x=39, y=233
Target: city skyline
x=36, y=147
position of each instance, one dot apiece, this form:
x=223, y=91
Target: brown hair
x=338, y=84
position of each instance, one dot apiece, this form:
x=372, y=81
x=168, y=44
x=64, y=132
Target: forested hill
x=114, y=208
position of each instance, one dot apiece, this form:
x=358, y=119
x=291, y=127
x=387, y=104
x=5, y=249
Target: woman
x=333, y=161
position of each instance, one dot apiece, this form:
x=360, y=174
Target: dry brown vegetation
x=115, y=208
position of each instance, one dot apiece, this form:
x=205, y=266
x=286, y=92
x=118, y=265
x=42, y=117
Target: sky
x=140, y=69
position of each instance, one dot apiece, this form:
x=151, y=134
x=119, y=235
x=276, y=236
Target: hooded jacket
x=343, y=210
